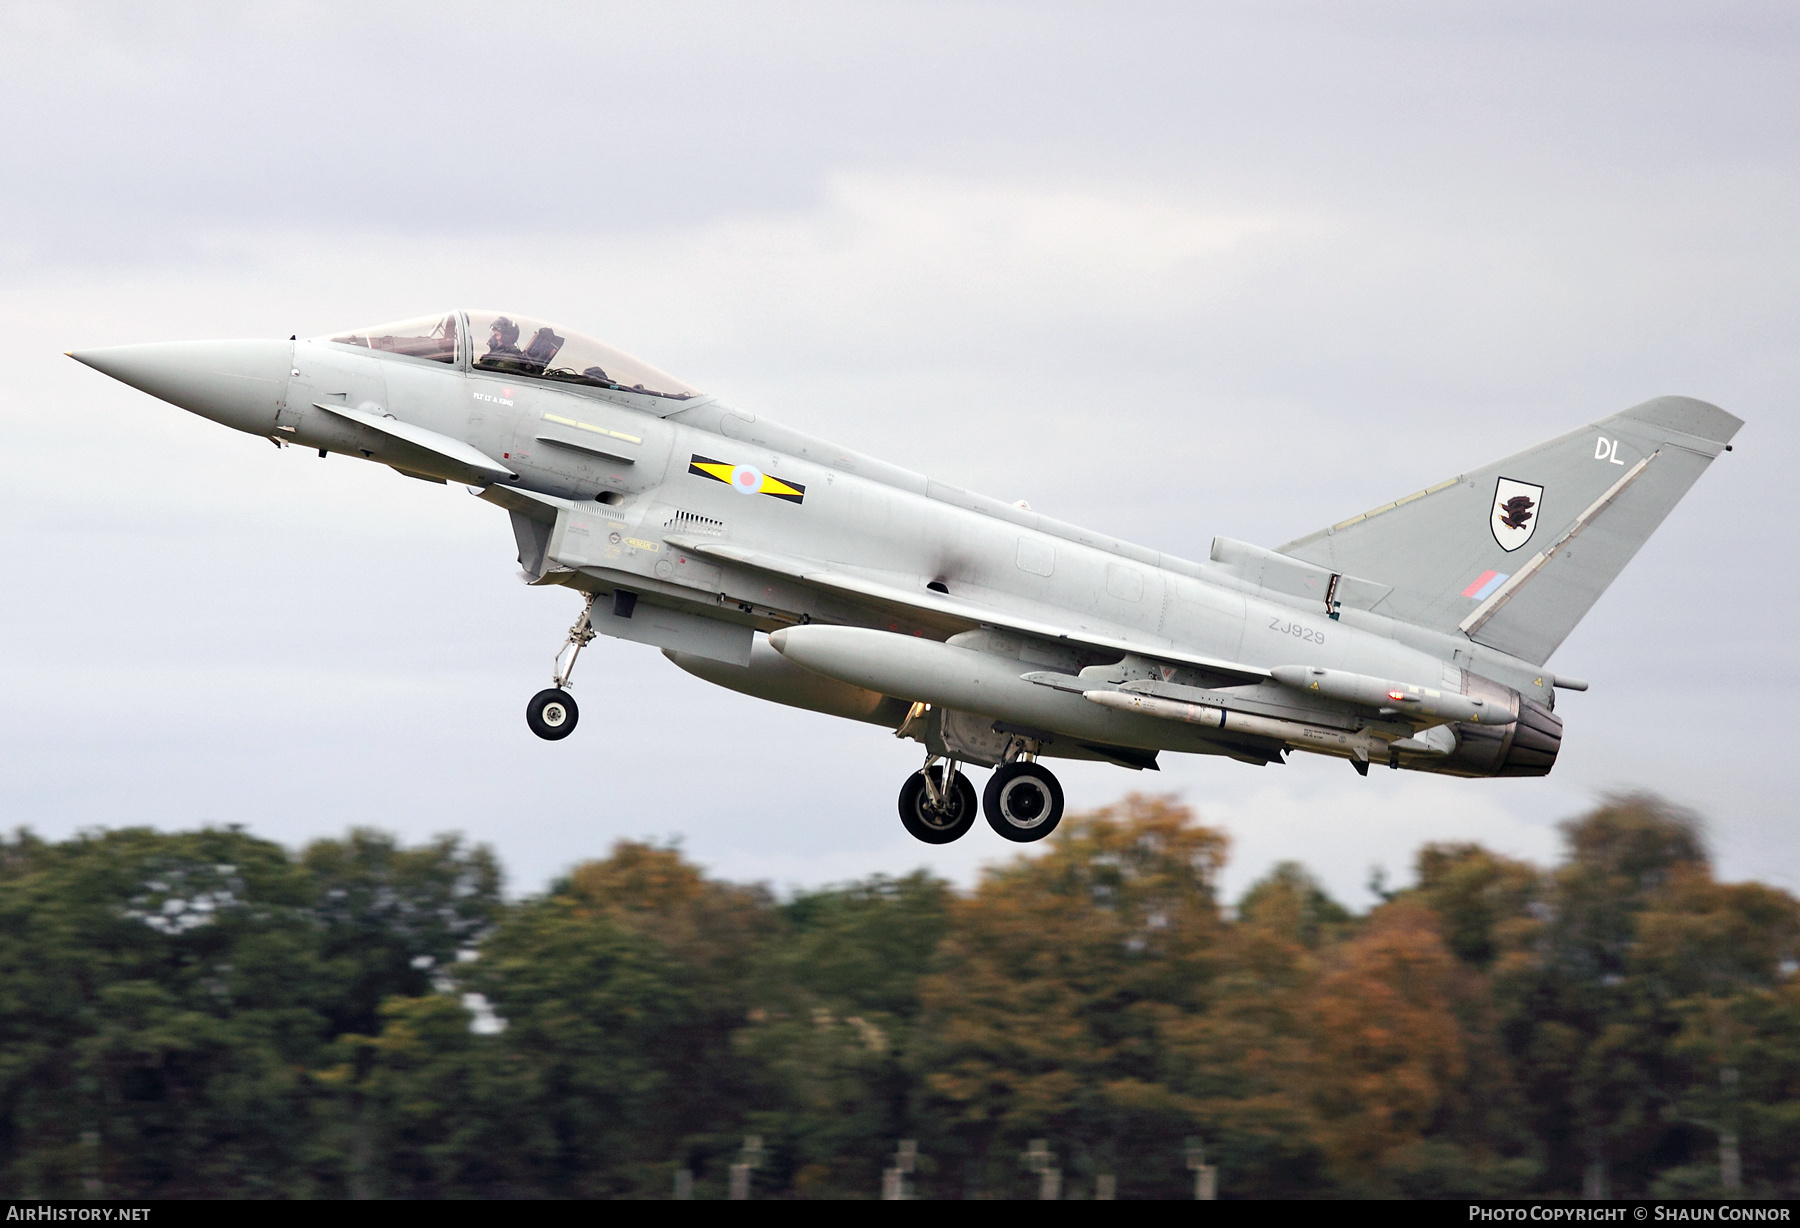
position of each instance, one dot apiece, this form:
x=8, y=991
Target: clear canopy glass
x=432, y=337
x=519, y=345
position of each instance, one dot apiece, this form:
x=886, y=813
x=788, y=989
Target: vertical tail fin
x=1513, y=555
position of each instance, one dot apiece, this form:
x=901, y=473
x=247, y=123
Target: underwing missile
x=1308, y=736
x=1401, y=697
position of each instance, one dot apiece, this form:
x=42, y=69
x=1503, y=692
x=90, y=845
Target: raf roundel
x=746, y=479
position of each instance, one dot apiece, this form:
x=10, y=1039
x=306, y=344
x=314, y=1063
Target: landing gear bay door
x=564, y=542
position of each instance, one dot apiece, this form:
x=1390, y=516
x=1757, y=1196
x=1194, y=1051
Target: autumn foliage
x=205, y=1014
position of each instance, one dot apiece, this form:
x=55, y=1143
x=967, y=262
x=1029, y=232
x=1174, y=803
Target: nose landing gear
x=552, y=713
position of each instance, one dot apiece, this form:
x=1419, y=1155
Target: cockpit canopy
x=518, y=345
x=432, y=337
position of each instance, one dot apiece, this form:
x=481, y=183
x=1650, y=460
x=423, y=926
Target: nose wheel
x=552, y=713
x=1023, y=801
x=934, y=812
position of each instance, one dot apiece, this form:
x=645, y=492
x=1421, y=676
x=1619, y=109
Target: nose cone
x=238, y=383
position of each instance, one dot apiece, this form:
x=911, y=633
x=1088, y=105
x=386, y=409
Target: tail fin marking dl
x=1505, y=592
x=1448, y=550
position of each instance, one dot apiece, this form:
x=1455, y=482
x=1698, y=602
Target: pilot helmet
x=507, y=330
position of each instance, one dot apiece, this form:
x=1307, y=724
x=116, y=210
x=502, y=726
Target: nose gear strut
x=580, y=636
x=552, y=713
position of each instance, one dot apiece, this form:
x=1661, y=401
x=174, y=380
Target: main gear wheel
x=935, y=814
x=1023, y=801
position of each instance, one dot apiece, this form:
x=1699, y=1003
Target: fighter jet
x=776, y=564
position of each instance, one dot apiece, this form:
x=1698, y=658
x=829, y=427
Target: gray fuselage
x=971, y=624
x=865, y=519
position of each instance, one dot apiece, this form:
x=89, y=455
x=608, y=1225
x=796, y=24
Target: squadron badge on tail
x=1515, y=512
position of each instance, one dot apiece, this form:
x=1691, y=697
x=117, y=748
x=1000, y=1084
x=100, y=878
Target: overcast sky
x=1166, y=271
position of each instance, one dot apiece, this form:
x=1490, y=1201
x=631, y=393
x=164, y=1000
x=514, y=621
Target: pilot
x=503, y=339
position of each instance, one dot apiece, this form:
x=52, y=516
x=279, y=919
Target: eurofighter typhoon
x=771, y=562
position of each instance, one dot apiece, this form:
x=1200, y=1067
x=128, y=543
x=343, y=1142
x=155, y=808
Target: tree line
x=207, y=1014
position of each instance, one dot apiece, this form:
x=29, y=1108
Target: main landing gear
x=552, y=713
x=932, y=812
x=1023, y=801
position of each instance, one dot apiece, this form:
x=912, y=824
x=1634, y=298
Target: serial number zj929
x=1297, y=631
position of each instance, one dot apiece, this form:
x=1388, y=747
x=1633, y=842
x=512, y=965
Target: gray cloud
x=1170, y=272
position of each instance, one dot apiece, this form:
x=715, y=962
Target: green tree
x=1409, y=1075
x=431, y=1108
x=156, y=1016
x=1636, y=943
x=394, y=918
x=1716, y=960
x=837, y=1005
x=203, y=1014
x=865, y=946
x=1289, y=901
x=621, y=991
x=1485, y=903
x=1060, y=979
